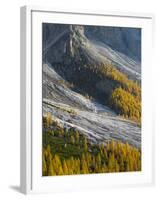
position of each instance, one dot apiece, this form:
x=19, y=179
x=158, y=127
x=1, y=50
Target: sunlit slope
x=71, y=109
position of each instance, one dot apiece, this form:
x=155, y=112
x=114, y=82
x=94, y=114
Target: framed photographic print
x=86, y=100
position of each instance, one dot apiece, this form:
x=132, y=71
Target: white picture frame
x=31, y=107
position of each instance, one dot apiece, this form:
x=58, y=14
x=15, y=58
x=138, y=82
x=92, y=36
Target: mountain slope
x=85, y=61
x=118, y=39
x=71, y=45
x=94, y=120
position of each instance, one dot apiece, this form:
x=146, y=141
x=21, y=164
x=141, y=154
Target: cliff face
x=71, y=37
